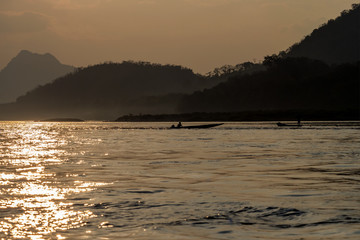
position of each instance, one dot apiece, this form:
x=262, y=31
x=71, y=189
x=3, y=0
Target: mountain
x=28, y=70
x=106, y=90
x=337, y=41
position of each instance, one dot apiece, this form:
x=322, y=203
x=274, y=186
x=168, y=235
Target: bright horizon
x=198, y=34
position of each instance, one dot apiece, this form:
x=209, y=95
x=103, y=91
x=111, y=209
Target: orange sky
x=199, y=34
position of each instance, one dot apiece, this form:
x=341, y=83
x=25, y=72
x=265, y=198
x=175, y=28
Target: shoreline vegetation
x=62, y=120
x=291, y=115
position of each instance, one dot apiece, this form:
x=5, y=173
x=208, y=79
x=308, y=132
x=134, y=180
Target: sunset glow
x=179, y=119
x=43, y=208
x=198, y=34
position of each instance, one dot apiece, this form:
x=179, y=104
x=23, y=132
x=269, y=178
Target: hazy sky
x=200, y=34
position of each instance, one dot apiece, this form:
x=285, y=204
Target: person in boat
x=179, y=125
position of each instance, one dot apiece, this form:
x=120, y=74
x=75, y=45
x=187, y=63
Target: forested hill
x=113, y=82
x=105, y=90
x=337, y=41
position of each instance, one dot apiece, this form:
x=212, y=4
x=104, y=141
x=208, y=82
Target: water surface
x=96, y=180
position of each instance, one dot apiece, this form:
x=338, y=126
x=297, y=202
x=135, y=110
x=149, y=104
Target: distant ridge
x=28, y=70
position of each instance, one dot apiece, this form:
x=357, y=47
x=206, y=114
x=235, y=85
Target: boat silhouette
x=196, y=126
x=288, y=125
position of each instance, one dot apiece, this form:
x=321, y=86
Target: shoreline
x=248, y=116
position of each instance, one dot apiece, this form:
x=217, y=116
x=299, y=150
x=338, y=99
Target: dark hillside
x=288, y=84
x=338, y=41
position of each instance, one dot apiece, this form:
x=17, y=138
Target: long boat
x=288, y=125
x=197, y=126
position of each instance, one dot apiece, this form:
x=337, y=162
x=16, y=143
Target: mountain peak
x=28, y=70
x=24, y=53
x=25, y=56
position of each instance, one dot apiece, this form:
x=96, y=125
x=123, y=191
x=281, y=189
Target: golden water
x=97, y=180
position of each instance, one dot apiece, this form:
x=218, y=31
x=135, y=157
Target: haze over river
x=97, y=180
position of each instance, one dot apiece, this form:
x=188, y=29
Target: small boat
x=288, y=125
x=197, y=126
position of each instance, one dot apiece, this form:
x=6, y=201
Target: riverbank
x=309, y=115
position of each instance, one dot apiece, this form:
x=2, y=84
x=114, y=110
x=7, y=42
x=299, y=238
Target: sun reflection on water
x=33, y=200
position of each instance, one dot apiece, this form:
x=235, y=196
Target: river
x=103, y=180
